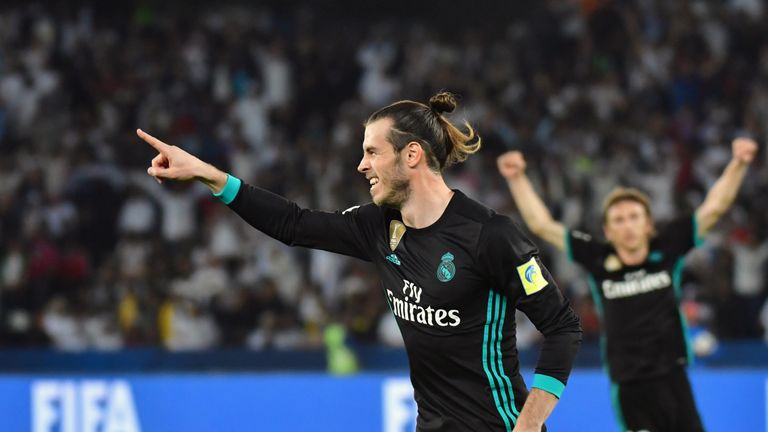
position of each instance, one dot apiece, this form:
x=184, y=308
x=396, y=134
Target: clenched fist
x=511, y=165
x=744, y=150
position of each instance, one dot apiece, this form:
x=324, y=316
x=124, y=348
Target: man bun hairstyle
x=443, y=143
x=443, y=102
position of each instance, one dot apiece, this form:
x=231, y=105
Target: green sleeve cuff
x=697, y=239
x=548, y=384
x=230, y=190
x=568, y=249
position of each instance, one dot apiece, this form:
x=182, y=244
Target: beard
x=398, y=194
x=399, y=190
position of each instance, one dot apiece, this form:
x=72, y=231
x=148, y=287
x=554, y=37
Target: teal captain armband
x=228, y=193
x=548, y=384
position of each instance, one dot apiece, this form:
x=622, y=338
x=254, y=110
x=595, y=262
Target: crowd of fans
x=95, y=255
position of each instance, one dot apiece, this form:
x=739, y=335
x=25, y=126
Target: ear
x=413, y=154
x=651, y=226
x=605, y=232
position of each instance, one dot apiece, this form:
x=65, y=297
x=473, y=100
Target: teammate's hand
x=511, y=165
x=171, y=163
x=744, y=150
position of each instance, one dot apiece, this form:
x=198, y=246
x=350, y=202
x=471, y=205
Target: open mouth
x=373, y=182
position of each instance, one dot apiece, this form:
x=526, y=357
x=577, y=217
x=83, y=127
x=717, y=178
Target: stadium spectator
x=595, y=93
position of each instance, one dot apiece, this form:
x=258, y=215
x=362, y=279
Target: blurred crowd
x=95, y=255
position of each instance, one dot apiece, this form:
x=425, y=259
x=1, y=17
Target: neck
x=633, y=256
x=427, y=202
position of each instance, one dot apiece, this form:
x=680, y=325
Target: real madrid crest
x=612, y=263
x=446, y=270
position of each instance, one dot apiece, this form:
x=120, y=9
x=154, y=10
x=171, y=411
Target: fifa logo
x=399, y=407
x=84, y=406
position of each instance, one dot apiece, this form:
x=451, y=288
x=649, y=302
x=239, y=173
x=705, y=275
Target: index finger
x=154, y=142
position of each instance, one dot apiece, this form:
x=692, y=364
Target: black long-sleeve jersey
x=453, y=288
x=644, y=332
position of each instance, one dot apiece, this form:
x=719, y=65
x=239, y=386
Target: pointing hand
x=171, y=163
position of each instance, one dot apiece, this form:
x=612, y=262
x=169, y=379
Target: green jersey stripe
x=491, y=381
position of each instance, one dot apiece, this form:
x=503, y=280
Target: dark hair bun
x=443, y=102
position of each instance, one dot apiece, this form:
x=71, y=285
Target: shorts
x=658, y=404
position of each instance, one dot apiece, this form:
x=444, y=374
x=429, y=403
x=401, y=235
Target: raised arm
x=724, y=191
x=535, y=214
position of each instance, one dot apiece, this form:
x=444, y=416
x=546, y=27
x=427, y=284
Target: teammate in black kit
x=635, y=283
x=452, y=270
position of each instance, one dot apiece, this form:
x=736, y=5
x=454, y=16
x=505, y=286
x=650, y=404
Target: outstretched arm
x=724, y=191
x=279, y=218
x=535, y=214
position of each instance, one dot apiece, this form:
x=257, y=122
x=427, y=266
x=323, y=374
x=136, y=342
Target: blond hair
x=621, y=194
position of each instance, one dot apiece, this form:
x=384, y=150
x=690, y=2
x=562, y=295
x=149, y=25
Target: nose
x=363, y=166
